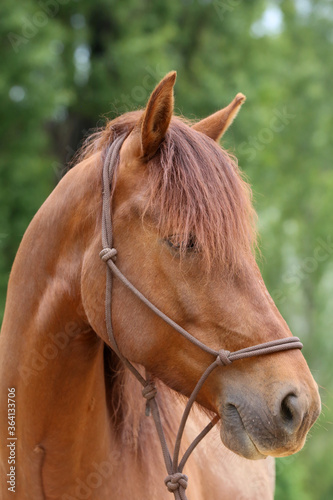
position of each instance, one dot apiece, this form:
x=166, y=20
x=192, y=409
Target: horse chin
x=235, y=437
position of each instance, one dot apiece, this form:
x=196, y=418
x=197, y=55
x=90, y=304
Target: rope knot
x=223, y=358
x=149, y=391
x=107, y=254
x=176, y=481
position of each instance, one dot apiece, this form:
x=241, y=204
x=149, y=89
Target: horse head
x=184, y=232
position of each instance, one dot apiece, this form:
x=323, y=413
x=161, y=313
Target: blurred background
x=68, y=65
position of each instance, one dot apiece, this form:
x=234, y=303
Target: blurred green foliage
x=68, y=64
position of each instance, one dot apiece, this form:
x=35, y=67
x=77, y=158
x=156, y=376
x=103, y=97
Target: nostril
x=288, y=407
x=291, y=411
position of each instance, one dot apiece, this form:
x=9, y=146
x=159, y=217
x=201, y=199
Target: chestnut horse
x=184, y=231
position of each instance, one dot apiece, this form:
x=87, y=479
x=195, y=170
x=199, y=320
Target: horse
x=73, y=421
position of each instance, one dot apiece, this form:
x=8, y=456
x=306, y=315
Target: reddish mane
x=195, y=188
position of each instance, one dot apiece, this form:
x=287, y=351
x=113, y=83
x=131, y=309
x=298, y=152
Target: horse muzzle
x=254, y=428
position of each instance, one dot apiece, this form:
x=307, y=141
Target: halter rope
x=176, y=481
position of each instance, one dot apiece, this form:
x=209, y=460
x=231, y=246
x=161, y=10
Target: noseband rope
x=176, y=481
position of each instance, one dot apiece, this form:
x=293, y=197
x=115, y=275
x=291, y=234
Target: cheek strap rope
x=176, y=481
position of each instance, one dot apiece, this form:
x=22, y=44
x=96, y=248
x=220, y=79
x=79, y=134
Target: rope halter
x=176, y=481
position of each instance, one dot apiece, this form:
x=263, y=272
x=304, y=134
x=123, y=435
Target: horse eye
x=191, y=243
x=175, y=243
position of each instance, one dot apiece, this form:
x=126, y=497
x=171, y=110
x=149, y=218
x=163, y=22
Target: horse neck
x=48, y=351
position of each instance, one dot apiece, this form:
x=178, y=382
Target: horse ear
x=217, y=124
x=157, y=116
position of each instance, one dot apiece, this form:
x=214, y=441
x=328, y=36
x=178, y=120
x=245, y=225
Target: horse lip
x=231, y=418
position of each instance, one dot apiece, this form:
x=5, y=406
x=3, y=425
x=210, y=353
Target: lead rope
x=176, y=481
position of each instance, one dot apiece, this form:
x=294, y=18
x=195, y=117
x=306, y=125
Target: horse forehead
x=131, y=182
x=130, y=152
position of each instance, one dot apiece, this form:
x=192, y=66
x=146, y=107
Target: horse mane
x=194, y=189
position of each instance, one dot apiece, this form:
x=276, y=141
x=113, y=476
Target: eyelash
x=174, y=243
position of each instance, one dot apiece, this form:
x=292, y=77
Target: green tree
x=67, y=65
